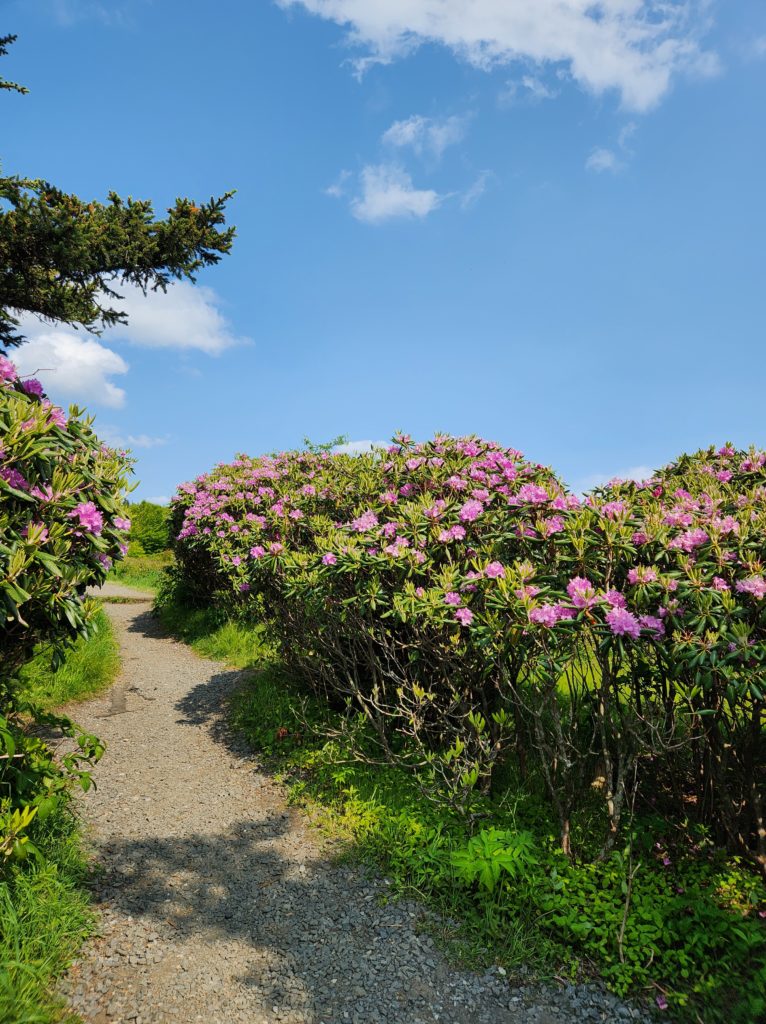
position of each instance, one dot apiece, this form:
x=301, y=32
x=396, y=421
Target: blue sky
x=542, y=222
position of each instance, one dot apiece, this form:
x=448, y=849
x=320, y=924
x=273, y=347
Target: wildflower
x=612, y=509
x=495, y=570
x=296, y=513
x=653, y=624
x=755, y=585
x=451, y=597
x=550, y=526
x=643, y=574
x=464, y=616
x=366, y=521
x=720, y=584
x=89, y=517
x=623, y=623
x=257, y=551
x=7, y=370
x=33, y=387
x=581, y=592
x=470, y=511
x=420, y=592
x=533, y=494
x=544, y=615
x=329, y=558
x=662, y=1002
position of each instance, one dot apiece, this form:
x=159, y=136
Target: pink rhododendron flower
x=623, y=623
x=329, y=558
x=690, y=540
x=533, y=493
x=530, y=590
x=615, y=599
x=257, y=551
x=121, y=524
x=755, y=585
x=581, y=592
x=720, y=584
x=547, y=527
x=389, y=497
x=544, y=615
x=457, y=483
x=366, y=521
x=464, y=616
x=470, y=511
x=452, y=598
x=89, y=517
x=643, y=574
x=640, y=538
x=308, y=490
x=296, y=513
x=420, y=592
x=495, y=570
x=244, y=587
x=275, y=547
x=724, y=475
x=612, y=509
x=33, y=387
x=14, y=478
x=7, y=370
x=652, y=623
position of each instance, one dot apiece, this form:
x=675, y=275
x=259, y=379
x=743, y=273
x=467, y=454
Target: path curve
x=219, y=903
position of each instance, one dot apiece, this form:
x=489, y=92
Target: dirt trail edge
x=219, y=903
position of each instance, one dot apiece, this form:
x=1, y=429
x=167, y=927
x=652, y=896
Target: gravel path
x=218, y=903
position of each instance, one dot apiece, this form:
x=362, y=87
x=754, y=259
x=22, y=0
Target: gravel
x=219, y=903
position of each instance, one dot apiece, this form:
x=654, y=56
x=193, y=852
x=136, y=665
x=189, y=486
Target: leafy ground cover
x=662, y=919
x=44, y=905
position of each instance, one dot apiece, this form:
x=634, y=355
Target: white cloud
x=161, y=499
x=474, y=192
x=587, y=483
x=426, y=134
x=338, y=188
x=117, y=439
x=388, y=192
x=602, y=159
x=359, y=447
x=529, y=88
x=185, y=316
x=71, y=364
x=633, y=46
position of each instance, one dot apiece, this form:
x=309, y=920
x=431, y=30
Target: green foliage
x=60, y=257
x=144, y=572
x=44, y=918
x=149, y=527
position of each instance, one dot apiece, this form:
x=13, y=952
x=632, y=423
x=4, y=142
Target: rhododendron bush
x=61, y=525
x=470, y=610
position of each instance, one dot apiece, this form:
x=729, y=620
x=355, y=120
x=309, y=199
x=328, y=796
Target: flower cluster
x=61, y=527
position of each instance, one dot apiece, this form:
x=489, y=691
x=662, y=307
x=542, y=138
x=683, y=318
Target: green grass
x=44, y=907
x=90, y=667
x=44, y=919
x=144, y=572
x=692, y=932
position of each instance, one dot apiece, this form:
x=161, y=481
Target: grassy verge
x=675, y=924
x=44, y=919
x=90, y=667
x=44, y=906
x=142, y=571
